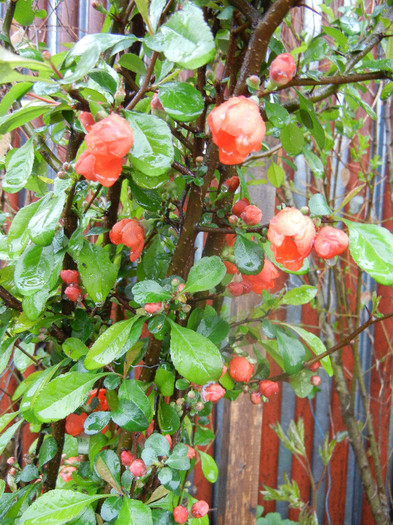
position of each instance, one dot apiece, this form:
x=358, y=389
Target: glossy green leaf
x=149, y=292
x=275, y=175
x=6, y=419
x=158, y=443
x=209, y=467
x=24, y=13
x=45, y=221
x=20, y=116
x=155, y=9
x=133, y=63
x=14, y=60
x=309, y=118
x=95, y=422
x=277, y=115
x=318, y=205
x=181, y=101
x=134, y=412
x=110, y=345
x=301, y=384
x=213, y=327
x=207, y=273
x=315, y=163
x=19, y=167
x=134, y=512
x=249, y=256
x=7, y=435
x=34, y=305
x=292, y=139
x=6, y=348
x=107, y=465
x=371, y=247
x=47, y=451
x=185, y=39
x=178, y=459
x=64, y=395
x=292, y=351
x=16, y=92
x=194, y=356
x=315, y=344
x=19, y=235
x=37, y=268
x=165, y=381
x=168, y=418
x=148, y=199
x=57, y=507
x=97, y=271
x=152, y=152
x=74, y=348
x=301, y=295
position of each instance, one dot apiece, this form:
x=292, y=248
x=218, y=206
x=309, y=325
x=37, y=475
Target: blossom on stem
x=330, y=242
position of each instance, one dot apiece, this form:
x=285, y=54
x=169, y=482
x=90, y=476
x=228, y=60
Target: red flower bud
x=74, y=424
x=237, y=129
x=315, y=380
x=190, y=453
x=330, y=242
x=138, y=468
x=240, y=369
x=153, y=308
x=130, y=233
x=212, y=392
x=292, y=237
x=155, y=103
x=233, y=219
x=11, y=460
x=69, y=276
x=126, y=458
x=232, y=184
x=73, y=292
x=314, y=367
x=268, y=388
x=255, y=398
x=282, y=69
x=199, y=509
x=251, y=215
x=180, y=514
x=236, y=289
x=169, y=439
x=239, y=207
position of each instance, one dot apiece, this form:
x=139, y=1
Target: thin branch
x=146, y=81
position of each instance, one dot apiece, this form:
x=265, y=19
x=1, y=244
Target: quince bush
x=126, y=335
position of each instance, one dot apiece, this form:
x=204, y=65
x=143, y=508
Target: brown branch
x=143, y=88
x=247, y=9
x=10, y=300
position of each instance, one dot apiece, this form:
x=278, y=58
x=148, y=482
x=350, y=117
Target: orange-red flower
x=292, y=237
x=237, y=129
x=107, y=141
x=282, y=69
x=264, y=280
x=130, y=233
x=330, y=242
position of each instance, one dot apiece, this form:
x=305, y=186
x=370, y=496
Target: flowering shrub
x=126, y=326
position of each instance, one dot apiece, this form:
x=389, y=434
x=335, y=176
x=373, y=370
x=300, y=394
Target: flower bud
x=11, y=460
x=155, y=103
x=69, y=276
x=180, y=514
x=233, y=220
x=138, y=468
x=253, y=82
x=153, y=308
x=282, y=69
x=232, y=184
x=240, y=369
x=73, y=292
x=268, y=388
x=199, y=509
x=191, y=394
x=239, y=207
x=255, y=398
x=191, y=452
x=330, y=242
x=251, y=215
x=235, y=289
x=314, y=367
x=199, y=406
x=126, y=458
x=212, y=392
x=315, y=380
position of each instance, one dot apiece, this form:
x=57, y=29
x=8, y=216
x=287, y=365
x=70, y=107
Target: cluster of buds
x=71, y=278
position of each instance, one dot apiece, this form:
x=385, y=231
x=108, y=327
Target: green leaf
x=158, y=443
x=181, y=101
x=107, y=465
x=152, y=152
x=292, y=139
x=19, y=235
x=185, y=39
x=7, y=435
x=301, y=384
x=110, y=345
x=310, y=120
x=148, y=199
x=16, y=92
x=301, y=295
x=6, y=348
x=387, y=91
x=64, y=395
x=291, y=350
x=6, y=419
x=45, y=221
x=315, y=344
x=178, y=459
x=47, y=451
x=14, y=60
x=20, y=116
x=213, y=327
x=207, y=273
x=19, y=167
x=143, y=9
x=277, y=115
x=194, y=356
x=275, y=175
x=209, y=467
x=249, y=256
x=133, y=63
x=97, y=271
x=134, y=512
x=371, y=247
x=134, y=412
x=95, y=422
x=149, y=292
x=57, y=507
x=37, y=268
x=318, y=205
x=315, y=163
x=168, y=418
x=165, y=381
x=74, y=348
x=24, y=13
